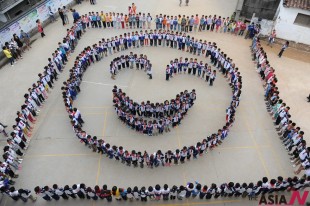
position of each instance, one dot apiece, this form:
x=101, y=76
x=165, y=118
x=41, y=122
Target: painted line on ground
x=99, y=83
x=260, y=156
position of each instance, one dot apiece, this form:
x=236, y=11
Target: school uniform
x=190, y=67
x=143, y=196
x=167, y=73
x=173, y=194
x=212, y=78
x=165, y=193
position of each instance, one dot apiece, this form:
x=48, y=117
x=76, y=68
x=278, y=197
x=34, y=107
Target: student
x=181, y=192
x=165, y=192
x=22, y=194
x=40, y=28
x=116, y=193
x=61, y=14
x=106, y=193
x=167, y=73
x=46, y=195
x=272, y=37
x=157, y=192
x=150, y=193
x=91, y=194
x=2, y=129
x=212, y=77
x=284, y=47
x=25, y=37
x=173, y=192
x=60, y=192
x=143, y=194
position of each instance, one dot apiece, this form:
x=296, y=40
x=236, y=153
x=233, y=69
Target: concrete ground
x=251, y=151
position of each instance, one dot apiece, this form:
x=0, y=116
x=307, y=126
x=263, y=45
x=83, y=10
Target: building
x=11, y=9
x=263, y=9
x=292, y=21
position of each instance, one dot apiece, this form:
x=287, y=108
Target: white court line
x=110, y=7
x=99, y=83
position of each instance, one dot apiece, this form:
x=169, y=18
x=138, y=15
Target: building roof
x=301, y=4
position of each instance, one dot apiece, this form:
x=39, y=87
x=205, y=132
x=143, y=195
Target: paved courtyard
x=251, y=151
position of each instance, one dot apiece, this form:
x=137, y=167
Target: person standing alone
x=284, y=47
x=40, y=28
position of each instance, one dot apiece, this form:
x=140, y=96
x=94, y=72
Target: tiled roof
x=301, y=4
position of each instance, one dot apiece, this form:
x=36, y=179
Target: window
x=302, y=20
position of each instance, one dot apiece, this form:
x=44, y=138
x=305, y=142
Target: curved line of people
x=289, y=133
x=192, y=66
x=72, y=37
x=164, y=192
x=18, y=139
x=136, y=158
x=180, y=23
x=163, y=115
x=128, y=61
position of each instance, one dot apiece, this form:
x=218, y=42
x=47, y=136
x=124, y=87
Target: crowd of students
x=71, y=89
x=34, y=99
x=16, y=46
x=128, y=61
x=179, y=23
x=162, y=116
x=189, y=191
x=192, y=66
x=291, y=135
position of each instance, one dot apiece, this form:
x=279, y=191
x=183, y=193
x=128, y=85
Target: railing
x=29, y=10
x=5, y=4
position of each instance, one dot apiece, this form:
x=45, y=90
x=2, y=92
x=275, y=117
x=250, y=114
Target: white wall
x=286, y=29
x=266, y=25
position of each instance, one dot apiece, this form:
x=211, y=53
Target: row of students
x=154, y=110
x=180, y=23
x=165, y=38
x=136, y=158
x=165, y=193
x=194, y=23
x=218, y=58
x=164, y=115
x=35, y=98
x=129, y=61
x=191, y=66
x=291, y=135
x=116, y=20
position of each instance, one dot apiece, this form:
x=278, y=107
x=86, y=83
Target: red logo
x=296, y=199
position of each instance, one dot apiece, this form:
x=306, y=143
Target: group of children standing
x=38, y=95
x=128, y=61
x=137, y=158
x=161, y=116
x=166, y=193
x=191, y=66
x=291, y=135
x=116, y=20
x=164, y=38
x=180, y=23
x=18, y=139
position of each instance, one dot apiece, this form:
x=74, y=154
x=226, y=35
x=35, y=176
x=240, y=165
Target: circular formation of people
x=149, y=118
